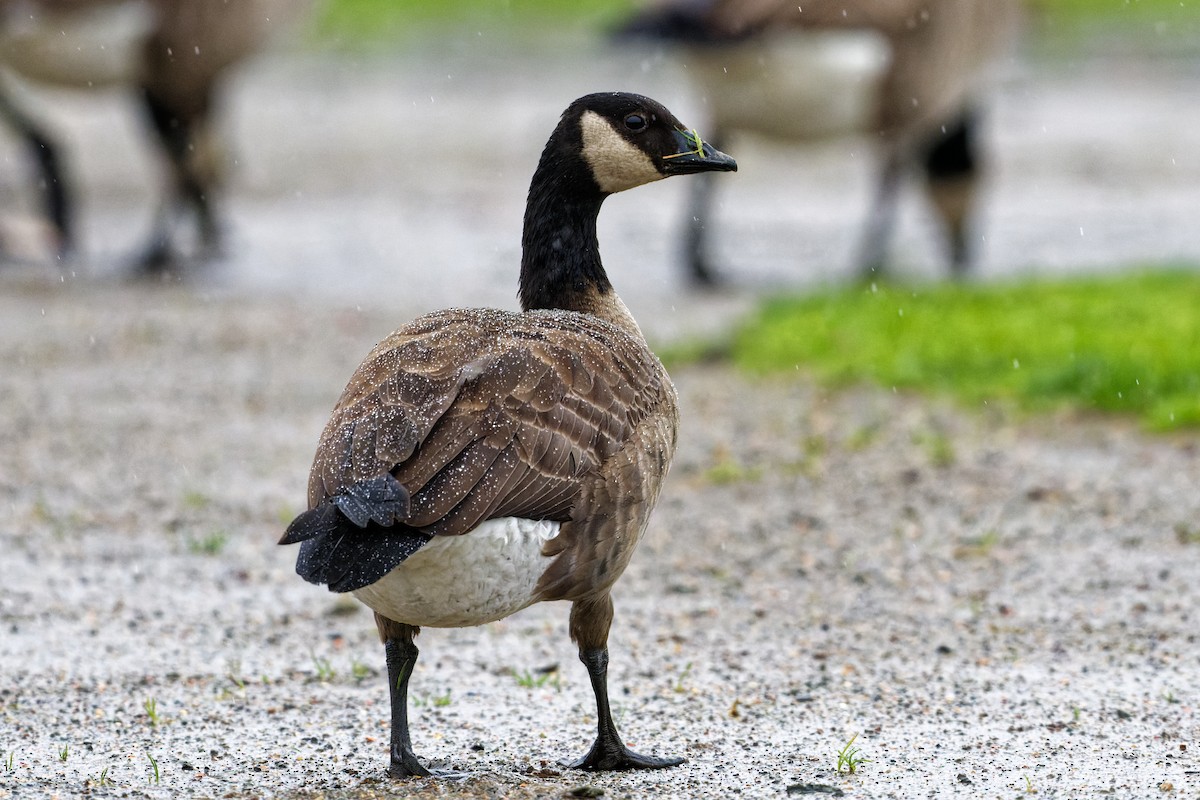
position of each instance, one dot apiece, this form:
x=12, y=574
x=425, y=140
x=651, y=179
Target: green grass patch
x=358, y=23
x=1127, y=343
x=375, y=20
x=1165, y=26
x=1105, y=11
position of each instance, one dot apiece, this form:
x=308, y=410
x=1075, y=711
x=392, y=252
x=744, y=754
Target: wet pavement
x=398, y=179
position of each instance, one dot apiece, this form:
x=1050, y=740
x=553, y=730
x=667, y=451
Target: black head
x=627, y=140
x=604, y=143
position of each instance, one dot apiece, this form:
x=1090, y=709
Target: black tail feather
x=355, y=537
x=382, y=500
x=323, y=519
x=352, y=558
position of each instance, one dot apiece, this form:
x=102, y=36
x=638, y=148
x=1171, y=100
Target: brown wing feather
x=615, y=501
x=484, y=414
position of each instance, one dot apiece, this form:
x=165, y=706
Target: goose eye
x=636, y=122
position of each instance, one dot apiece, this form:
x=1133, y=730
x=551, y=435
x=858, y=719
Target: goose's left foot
x=612, y=755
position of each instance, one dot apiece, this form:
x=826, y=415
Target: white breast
x=457, y=581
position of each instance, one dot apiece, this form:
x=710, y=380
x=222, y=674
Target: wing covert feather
x=483, y=414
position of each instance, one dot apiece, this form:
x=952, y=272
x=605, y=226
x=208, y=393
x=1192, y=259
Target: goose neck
x=560, y=254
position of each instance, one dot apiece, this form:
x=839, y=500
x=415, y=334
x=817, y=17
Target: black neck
x=560, y=255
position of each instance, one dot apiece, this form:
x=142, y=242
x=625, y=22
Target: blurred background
x=378, y=152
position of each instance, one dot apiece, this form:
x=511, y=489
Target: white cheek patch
x=616, y=164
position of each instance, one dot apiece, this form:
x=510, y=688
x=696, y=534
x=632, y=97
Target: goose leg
x=882, y=215
x=590, y=621
x=695, y=250
x=401, y=658
x=183, y=135
x=951, y=165
x=695, y=234
x=45, y=154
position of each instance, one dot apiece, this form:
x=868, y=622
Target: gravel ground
x=994, y=604
x=990, y=603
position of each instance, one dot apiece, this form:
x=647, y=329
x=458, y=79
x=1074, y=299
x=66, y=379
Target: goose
x=482, y=460
x=907, y=73
x=176, y=54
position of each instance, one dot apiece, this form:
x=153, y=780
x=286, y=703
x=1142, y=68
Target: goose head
x=604, y=143
x=627, y=140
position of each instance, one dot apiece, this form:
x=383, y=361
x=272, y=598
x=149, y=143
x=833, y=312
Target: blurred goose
x=906, y=72
x=480, y=461
x=175, y=53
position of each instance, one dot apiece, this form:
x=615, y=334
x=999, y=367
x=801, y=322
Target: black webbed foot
x=405, y=765
x=613, y=755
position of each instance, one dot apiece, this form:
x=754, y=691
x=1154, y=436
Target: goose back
x=484, y=414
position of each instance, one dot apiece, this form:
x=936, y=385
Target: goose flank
x=481, y=460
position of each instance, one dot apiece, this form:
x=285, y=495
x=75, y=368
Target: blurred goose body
x=908, y=73
x=175, y=54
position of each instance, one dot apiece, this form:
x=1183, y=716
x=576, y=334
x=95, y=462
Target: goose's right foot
x=404, y=764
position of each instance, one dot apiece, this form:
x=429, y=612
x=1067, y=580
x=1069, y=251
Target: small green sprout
x=195, y=499
x=325, y=671
x=547, y=675
x=210, y=545
x=435, y=700
x=978, y=546
x=850, y=758
x=64, y=753
x=726, y=470
x=155, y=777
x=151, y=706
x=861, y=438
x=233, y=671
x=527, y=680
x=8, y=765
x=938, y=446
x=687, y=668
x=104, y=780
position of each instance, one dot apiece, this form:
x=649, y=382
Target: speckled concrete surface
x=986, y=601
